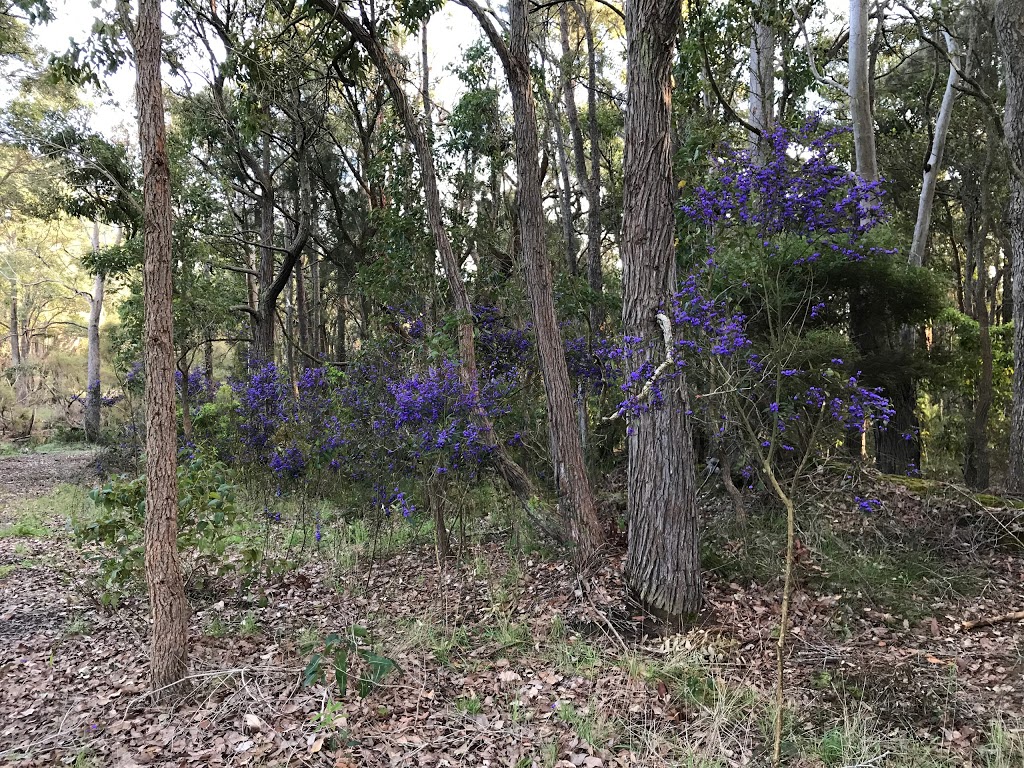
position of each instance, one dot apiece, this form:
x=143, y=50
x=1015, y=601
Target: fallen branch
x=989, y=621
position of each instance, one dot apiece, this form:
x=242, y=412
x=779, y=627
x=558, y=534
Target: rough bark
x=860, y=93
x=1010, y=32
x=977, y=214
x=168, y=604
x=595, y=270
x=662, y=557
x=580, y=509
x=93, y=399
x=762, y=81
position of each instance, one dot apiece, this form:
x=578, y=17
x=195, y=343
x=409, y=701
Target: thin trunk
x=93, y=399
x=662, y=557
x=573, y=484
x=934, y=164
x=595, y=272
x=262, y=321
x=186, y=400
x=860, y=93
x=762, y=81
x=168, y=604
x=20, y=389
x=302, y=306
x=511, y=472
x=208, y=364
x=570, y=243
x=317, y=345
x=1010, y=31
x=569, y=96
x=977, y=214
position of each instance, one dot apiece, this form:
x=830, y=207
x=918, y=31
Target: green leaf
x=341, y=669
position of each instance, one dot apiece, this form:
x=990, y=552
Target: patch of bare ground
x=507, y=659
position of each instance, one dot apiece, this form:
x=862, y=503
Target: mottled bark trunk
x=168, y=604
x=208, y=364
x=262, y=320
x=1010, y=31
x=302, y=308
x=186, y=400
x=570, y=244
x=860, y=93
x=579, y=507
x=762, y=81
x=662, y=557
x=93, y=395
x=932, y=168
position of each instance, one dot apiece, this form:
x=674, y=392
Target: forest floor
x=508, y=659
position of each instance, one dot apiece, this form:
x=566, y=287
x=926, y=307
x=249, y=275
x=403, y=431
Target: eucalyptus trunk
x=93, y=398
x=1010, y=32
x=573, y=484
x=662, y=557
x=595, y=270
x=762, y=81
x=168, y=604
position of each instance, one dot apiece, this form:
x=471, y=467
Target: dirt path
x=35, y=474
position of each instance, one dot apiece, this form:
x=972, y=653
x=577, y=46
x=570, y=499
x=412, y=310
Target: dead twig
x=966, y=626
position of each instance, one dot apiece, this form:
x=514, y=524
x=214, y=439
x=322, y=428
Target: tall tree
x=1010, y=31
x=168, y=604
x=762, y=79
x=567, y=447
x=860, y=93
x=662, y=556
x=93, y=398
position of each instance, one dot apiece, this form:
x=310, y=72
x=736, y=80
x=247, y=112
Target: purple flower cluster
x=803, y=193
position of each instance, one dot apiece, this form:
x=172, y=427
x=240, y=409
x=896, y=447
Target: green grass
x=7, y=570
x=64, y=501
x=894, y=576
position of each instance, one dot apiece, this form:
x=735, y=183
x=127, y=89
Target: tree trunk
x=511, y=472
x=595, y=271
x=208, y=364
x=580, y=509
x=168, y=604
x=93, y=396
x=934, y=164
x=762, y=82
x=662, y=556
x=565, y=188
x=860, y=93
x=20, y=390
x=1010, y=31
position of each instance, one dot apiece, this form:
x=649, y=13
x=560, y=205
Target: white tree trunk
x=762, y=82
x=93, y=402
x=931, y=169
x=860, y=93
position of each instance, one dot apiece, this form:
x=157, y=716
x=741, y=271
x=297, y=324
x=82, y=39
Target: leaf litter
x=505, y=659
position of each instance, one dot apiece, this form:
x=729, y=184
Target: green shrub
x=206, y=512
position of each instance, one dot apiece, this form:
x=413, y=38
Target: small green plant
x=216, y=628
x=248, y=627
x=79, y=625
x=337, y=653
x=7, y=570
x=471, y=705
